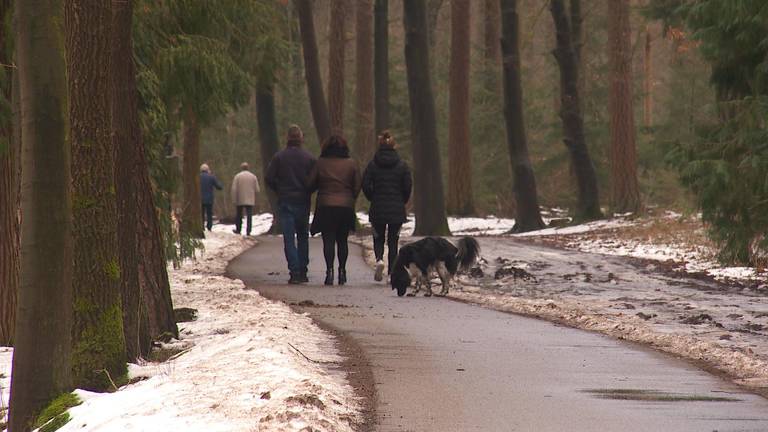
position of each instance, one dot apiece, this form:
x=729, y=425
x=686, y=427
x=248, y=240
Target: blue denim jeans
x=294, y=221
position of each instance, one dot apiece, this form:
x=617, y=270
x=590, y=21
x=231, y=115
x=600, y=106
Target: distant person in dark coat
x=387, y=185
x=208, y=182
x=286, y=175
x=336, y=177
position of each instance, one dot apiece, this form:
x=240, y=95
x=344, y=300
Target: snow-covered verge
x=238, y=369
x=720, y=325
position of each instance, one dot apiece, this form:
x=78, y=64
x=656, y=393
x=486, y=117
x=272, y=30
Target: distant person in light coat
x=208, y=182
x=245, y=187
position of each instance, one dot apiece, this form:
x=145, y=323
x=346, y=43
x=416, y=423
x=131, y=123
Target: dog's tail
x=469, y=252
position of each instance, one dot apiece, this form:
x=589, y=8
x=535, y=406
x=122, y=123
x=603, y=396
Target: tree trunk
x=433, y=13
x=381, y=63
x=98, y=343
x=459, y=151
x=576, y=32
x=336, y=64
x=648, y=80
x=265, y=117
x=192, y=213
x=588, y=200
x=528, y=214
x=364, y=134
x=491, y=32
x=130, y=169
x=428, y=190
x=41, y=358
x=625, y=191
x=312, y=70
x=9, y=197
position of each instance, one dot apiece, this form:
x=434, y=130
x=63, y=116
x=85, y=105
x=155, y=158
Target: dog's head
x=400, y=280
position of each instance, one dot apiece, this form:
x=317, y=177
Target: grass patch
x=55, y=415
x=654, y=396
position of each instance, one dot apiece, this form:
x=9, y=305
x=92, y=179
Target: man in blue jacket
x=286, y=175
x=208, y=181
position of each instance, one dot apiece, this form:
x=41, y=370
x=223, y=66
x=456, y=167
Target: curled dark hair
x=335, y=146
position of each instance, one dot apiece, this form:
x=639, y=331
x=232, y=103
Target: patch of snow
x=578, y=229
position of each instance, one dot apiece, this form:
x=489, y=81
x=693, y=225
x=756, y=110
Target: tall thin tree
x=364, y=133
x=491, y=47
x=312, y=69
x=381, y=63
x=588, y=199
x=268, y=138
x=41, y=368
x=98, y=341
x=460, y=201
x=429, y=201
x=528, y=214
x=336, y=63
x=625, y=191
x=9, y=182
x=192, y=212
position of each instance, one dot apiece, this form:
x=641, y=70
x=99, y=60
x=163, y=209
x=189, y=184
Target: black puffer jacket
x=387, y=185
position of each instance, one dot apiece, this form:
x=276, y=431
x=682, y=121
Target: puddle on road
x=654, y=396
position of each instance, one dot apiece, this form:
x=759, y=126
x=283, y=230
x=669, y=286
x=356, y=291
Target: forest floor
x=652, y=280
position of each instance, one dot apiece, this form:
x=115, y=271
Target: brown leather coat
x=336, y=180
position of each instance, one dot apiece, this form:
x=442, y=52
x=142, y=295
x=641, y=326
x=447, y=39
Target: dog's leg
x=416, y=276
x=428, y=284
x=445, y=278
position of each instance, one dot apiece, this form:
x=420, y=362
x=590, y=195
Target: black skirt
x=333, y=219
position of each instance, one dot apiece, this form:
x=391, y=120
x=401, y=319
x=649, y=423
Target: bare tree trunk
x=98, y=343
x=130, y=171
x=364, y=134
x=428, y=189
x=312, y=70
x=491, y=33
x=460, y=200
x=9, y=197
x=648, y=79
x=192, y=211
x=528, y=214
x=433, y=13
x=336, y=64
x=41, y=358
x=381, y=63
x=625, y=191
x=588, y=201
x=265, y=117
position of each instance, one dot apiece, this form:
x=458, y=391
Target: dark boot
x=294, y=279
x=329, y=276
x=303, y=277
x=342, y=276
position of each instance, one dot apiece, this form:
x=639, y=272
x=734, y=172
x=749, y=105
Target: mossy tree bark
x=460, y=201
x=588, y=200
x=381, y=64
x=98, y=345
x=429, y=201
x=312, y=70
x=192, y=213
x=9, y=196
x=269, y=142
x=336, y=64
x=41, y=359
x=528, y=216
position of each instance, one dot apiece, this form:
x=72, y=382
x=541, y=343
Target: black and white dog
x=418, y=259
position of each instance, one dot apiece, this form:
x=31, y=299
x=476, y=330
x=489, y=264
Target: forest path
x=432, y=364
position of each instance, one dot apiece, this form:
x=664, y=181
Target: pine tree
x=364, y=133
x=336, y=65
x=312, y=70
x=381, y=63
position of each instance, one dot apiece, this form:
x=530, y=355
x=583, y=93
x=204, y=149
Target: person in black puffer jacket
x=387, y=185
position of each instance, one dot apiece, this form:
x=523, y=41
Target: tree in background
x=41, y=358
x=625, y=191
x=9, y=188
x=364, y=133
x=381, y=64
x=491, y=34
x=428, y=190
x=98, y=344
x=312, y=69
x=588, y=202
x=460, y=200
x=336, y=66
x=528, y=216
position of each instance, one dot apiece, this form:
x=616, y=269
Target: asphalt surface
x=441, y=365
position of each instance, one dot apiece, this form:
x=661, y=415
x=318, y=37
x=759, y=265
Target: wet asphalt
x=442, y=365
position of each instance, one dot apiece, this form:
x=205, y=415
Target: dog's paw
x=411, y=294
x=441, y=294
x=428, y=294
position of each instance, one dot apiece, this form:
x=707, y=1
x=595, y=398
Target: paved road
x=440, y=365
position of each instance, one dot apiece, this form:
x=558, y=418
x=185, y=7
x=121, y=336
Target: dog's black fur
x=419, y=258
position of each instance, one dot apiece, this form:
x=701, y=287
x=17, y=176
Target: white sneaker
x=379, y=271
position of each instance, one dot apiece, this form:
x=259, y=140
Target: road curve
x=441, y=365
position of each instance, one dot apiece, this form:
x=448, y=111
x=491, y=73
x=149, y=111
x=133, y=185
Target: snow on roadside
x=236, y=371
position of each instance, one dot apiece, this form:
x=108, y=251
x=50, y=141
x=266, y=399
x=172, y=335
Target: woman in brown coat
x=337, y=180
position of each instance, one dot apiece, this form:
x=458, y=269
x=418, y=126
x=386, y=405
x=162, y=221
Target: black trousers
x=248, y=210
x=208, y=216
x=392, y=234
x=335, y=239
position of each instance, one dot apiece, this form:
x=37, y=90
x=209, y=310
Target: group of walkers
x=294, y=175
